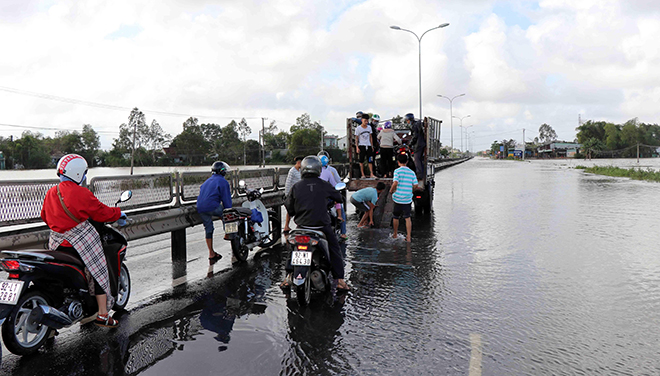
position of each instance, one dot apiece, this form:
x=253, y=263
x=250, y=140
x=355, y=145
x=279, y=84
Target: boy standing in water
x=403, y=183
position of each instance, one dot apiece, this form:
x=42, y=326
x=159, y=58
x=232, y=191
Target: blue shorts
x=207, y=220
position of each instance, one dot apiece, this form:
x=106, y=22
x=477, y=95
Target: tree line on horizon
x=197, y=144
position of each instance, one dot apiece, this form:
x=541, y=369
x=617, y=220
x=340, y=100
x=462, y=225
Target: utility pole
x=524, y=146
x=638, y=153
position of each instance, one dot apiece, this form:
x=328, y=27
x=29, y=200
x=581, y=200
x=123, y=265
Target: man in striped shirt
x=403, y=183
x=292, y=178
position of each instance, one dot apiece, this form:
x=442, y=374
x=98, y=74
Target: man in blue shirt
x=365, y=200
x=403, y=183
x=214, y=197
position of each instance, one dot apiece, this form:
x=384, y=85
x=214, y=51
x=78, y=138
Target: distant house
x=342, y=142
x=558, y=149
x=330, y=141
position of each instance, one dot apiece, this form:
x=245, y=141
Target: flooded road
x=525, y=268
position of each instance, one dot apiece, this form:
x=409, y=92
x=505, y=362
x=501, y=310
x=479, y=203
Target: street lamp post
x=419, y=40
x=466, y=137
x=461, y=118
x=451, y=114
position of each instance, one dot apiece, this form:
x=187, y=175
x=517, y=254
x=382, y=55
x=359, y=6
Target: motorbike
x=405, y=149
x=310, y=258
x=251, y=224
x=47, y=290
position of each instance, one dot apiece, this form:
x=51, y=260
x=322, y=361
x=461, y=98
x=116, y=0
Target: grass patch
x=632, y=173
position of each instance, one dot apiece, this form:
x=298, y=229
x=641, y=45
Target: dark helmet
x=410, y=117
x=220, y=168
x=310, y=167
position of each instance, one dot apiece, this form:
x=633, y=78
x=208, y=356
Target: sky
x=519, y=63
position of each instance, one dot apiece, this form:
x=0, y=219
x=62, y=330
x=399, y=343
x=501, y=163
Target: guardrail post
x=178, y=253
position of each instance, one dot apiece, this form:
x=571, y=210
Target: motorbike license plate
x=231, y=227
x=10, y=291
x=301, y=258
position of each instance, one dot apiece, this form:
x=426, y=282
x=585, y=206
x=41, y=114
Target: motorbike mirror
x=261, y=190
x=125, y=196
x=340, y=186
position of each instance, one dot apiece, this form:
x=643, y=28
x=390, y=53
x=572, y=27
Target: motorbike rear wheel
x=124, y=289
x=304, y=292
x=238, y=248
x=19, y=335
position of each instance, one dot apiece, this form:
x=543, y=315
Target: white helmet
x=73, y=167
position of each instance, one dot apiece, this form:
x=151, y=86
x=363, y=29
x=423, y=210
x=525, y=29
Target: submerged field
x=632, y=173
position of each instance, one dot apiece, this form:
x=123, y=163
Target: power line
x=50, y=129
x=110, y=106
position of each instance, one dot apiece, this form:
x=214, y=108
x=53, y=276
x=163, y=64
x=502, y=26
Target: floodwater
x=524, y=268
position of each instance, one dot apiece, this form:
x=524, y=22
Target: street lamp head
x=443, y=25
x=395, y=27
x=462, y=95
x=468, y=116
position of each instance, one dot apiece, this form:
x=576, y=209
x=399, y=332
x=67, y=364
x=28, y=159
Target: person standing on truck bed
x=387, y=137
x=363, y=145
x=418, y=145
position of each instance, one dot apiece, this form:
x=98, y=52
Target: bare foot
x=360, y=226
x=395, y=236
x=408, y=239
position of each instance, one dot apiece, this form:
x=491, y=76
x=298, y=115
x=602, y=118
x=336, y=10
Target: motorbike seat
x=244, y=211
x=303, y=230
x=44, y=255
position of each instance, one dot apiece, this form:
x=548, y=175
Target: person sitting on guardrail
x=292, y=178
x=67, y=209
x=214, y=197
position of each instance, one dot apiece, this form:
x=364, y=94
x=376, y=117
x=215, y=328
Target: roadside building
x=330, y=141
x=342, y=143
x=558, y=149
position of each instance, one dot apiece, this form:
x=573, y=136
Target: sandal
x=106, y=321
x=286, y=284
x=343, y=287
x=215, y=258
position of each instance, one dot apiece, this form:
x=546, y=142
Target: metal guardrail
x=190, y=182
x=261, y=178
x=148, y=190
x=21, y=200
x=280, y=176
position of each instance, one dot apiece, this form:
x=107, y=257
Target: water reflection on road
x=524, y=268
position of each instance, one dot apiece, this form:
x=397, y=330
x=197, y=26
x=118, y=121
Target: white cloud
x=281, y=58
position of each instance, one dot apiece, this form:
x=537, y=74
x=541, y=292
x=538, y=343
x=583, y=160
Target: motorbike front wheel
x=274, y=232
x=124, y=289
x=304, y=292
x=238, y=248
x=19, y=335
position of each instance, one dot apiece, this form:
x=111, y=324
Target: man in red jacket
x=66, y=210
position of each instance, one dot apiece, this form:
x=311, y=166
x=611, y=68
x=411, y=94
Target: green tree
x=591, y=129
x=191, y=143
x=30, y=151
x=612, y=136
x=546, y=133
x=91, y=144
x=592, y=146
x=244, y=130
